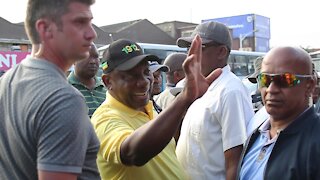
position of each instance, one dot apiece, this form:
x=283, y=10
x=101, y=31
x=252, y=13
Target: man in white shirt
x=214, y=128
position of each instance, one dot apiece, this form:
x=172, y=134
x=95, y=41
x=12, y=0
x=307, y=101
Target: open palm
x=196, y=84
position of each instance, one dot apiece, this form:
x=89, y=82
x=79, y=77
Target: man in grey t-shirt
x=45, y=132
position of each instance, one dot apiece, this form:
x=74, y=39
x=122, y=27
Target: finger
x=195, y=45
x=213, y=75
x=187, y=64
x=199, y=50
x=195, y=52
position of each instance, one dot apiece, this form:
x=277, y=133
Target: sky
x=292, y=22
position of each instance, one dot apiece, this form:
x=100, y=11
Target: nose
x=93, y=60
x=90, y=34
x=157, y=79
x=143, y=81
x=273, y=87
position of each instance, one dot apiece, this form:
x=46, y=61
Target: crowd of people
x=201, y=126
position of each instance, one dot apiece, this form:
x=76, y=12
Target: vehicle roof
x=153, y=46
x=247, y=53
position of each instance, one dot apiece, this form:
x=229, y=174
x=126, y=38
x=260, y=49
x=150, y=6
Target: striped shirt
x=94, y=98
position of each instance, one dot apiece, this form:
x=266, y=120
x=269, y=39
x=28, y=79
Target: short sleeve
x=111, y=133
x=233, y=120
x=64, y=134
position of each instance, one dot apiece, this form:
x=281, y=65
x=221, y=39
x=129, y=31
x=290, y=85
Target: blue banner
x=247, y=25
x=242, y=24
x=262, y=44
x=262, y=24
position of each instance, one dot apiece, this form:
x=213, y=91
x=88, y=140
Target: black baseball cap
x=123, y=55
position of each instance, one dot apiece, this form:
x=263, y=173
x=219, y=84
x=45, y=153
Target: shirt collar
x=170, y=85
x=39, y=63
x=74, y=81
x=265, y=126
x=225, y=70
x=113, y=102
x=294, y=126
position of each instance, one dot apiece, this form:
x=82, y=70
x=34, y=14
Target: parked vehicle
x=241, y=62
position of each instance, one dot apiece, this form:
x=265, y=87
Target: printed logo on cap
x=130, y=48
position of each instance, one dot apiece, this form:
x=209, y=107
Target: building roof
x=15, y=33
x=139, y=31
x=102, y=37
x=179, y=24
x=114, y=28
x=10, y=31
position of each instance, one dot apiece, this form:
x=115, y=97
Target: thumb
x=213, y=75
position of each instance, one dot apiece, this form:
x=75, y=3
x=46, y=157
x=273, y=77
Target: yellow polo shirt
x=113, y=123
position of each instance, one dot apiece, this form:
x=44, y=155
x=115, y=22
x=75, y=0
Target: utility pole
x=242, y=37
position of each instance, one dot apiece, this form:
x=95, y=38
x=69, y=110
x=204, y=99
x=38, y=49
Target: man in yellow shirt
x=134, y=145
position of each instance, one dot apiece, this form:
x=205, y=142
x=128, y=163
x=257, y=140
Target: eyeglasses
x=210, y=44
x=281, y=80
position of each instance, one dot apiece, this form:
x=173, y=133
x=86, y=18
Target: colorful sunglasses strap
x=104, y=66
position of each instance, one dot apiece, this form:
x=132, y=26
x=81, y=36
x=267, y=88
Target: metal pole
x=243, y=37
x=240, y=41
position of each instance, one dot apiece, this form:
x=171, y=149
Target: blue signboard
x=247, y=25
x=242, y=24
x=262, y=24
x=262, y=44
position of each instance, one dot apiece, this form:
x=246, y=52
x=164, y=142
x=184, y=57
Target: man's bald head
x=297, y=58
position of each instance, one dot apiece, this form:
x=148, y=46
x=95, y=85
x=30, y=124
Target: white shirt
x=164, y=99
x=213, y=124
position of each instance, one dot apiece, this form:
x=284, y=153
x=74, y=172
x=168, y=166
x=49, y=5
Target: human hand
x=195, y=83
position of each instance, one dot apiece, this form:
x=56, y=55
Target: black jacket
x=296, y=153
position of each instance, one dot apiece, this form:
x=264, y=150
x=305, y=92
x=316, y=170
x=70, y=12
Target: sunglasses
x=210, y=44
x=281, y=80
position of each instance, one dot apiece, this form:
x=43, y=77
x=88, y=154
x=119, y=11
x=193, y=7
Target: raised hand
x=196, y=84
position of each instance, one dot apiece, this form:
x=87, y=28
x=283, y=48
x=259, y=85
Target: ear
x=311, y=84
x=106, y=79
x=178, y=75
x=44, y=27
x=223, y=52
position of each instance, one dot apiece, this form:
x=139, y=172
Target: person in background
x=45, y=132
x=156, y=70
x=261, y=114
x=134, y=144
x=287, y=145
x=256, y=97
x=316, y=92
x=84, y=79
x=173, y=76
x=214, y=128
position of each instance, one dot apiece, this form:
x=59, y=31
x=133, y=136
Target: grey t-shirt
x=44, y=124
